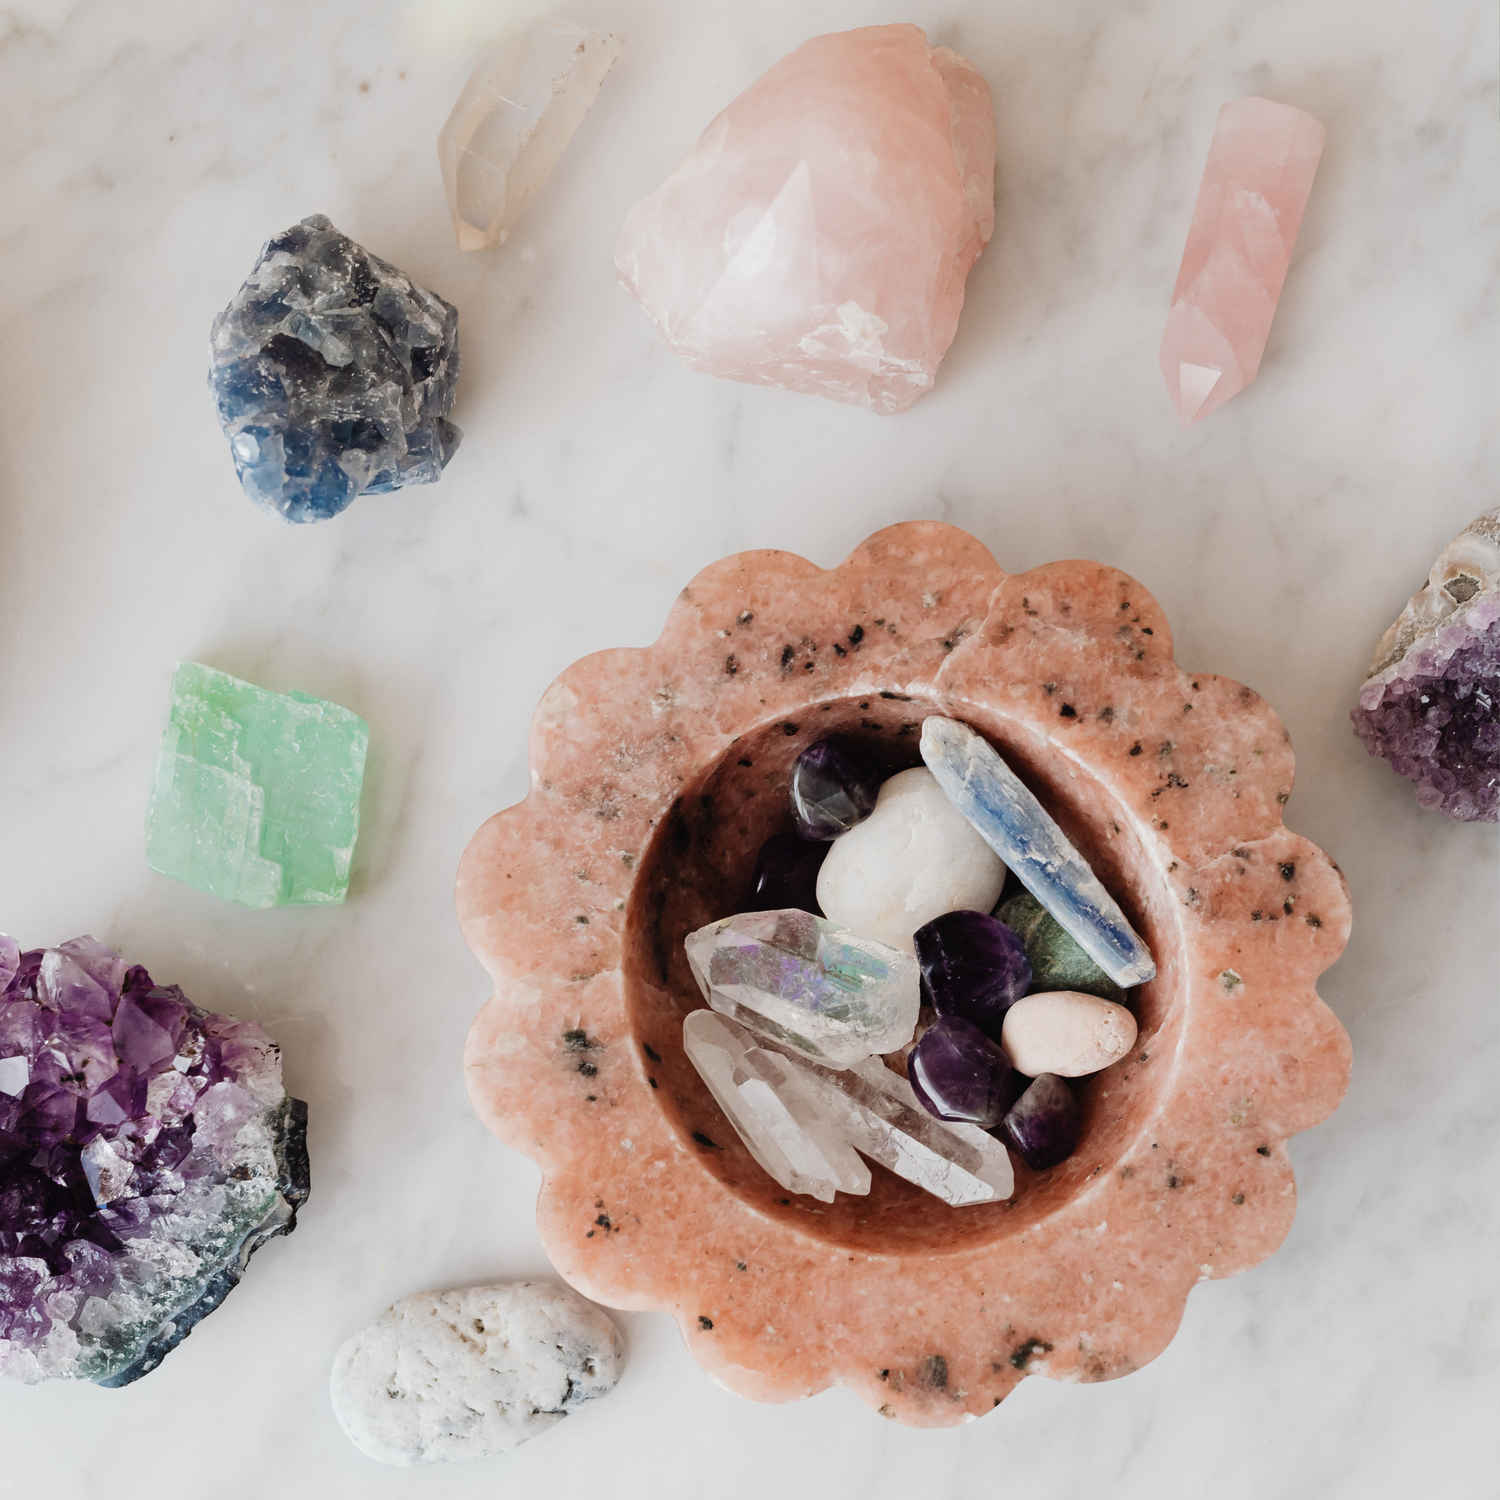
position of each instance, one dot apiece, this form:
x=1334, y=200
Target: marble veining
x=149, y=150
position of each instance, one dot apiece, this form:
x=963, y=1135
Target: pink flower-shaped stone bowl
x=657, y=773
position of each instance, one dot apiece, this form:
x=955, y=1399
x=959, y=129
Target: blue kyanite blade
x=1011, y=821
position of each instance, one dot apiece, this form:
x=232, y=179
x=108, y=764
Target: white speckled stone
x=465, y=1374
x=1064, y=1032
x=914, y=858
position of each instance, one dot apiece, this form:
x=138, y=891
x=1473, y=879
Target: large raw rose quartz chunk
x=818, y=235
x=1255, y=186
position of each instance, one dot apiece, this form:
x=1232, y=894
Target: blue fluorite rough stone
x=973, y=966
x=333, y=374
x=958, y=1073
x=1044, y=1123
x=834, y=787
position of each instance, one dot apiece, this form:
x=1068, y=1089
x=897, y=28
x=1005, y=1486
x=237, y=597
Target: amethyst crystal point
x=147, y=1147
x=834, y=786
x=786, y=875
x=958, y=1073
x=973, y=966
x=1044, y=1123
x=1431, y=705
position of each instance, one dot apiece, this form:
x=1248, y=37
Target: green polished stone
x=257, y=793
x=1057, y=962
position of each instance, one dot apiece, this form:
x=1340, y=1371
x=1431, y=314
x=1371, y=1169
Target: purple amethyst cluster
x=146, y=1148
x=1435, y=714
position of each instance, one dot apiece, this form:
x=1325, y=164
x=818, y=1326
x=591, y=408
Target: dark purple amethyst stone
x=146, y=1148
x=958, y=1073
x=1044, y=1123
x=972, y=966
x=786, y=875
x=834, y=786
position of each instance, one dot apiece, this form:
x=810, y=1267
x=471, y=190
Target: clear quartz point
x=814, y=988
x=800, y=1120
x=793, y=1138
x=881, y=1118
x=514, y=119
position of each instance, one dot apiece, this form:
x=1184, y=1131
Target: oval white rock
x=914, y=858
x=1063, y=1032
x=465, y=1374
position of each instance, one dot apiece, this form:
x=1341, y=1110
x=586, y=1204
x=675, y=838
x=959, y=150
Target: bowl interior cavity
x=697, y=869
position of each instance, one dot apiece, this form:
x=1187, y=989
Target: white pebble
x=1063, y=1032
x=470, y=1373
x=914, y=858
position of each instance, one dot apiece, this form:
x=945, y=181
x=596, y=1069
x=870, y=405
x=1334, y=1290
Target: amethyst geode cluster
x=147, y=1147
x=1431, y=704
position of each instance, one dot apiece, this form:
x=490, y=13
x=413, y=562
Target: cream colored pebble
x=1063, y=1032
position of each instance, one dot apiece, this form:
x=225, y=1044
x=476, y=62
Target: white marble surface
x=145, y=152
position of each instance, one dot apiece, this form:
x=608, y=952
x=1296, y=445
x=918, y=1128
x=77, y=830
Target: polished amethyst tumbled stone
x=834, y=786
x=1044, y=1123
x=972, y=966
x=786, y=875
x=146, y=1148
x=958, y=1073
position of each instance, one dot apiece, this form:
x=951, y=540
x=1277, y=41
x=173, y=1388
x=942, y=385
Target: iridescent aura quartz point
x=1016, y=826
x=514, y=119
x=256, y=797
x=1255, y=187
x=816, y=989
x=1431, y=704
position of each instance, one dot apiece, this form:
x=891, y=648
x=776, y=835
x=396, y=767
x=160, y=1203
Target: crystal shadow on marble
x=333, y=374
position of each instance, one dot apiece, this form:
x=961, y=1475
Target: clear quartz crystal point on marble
x=818, y=990
x=1431, y=704
x=792, y=1137
x=514, y=119
x=819, y=234
x=1255, y=186
x=1016, y=826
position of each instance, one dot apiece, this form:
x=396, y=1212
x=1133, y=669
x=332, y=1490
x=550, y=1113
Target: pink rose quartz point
x=656, y=775
x=819, y=234
x=1260, y=170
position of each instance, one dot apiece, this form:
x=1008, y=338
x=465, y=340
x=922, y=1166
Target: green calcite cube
x=257, y=794
x=1057, y=962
